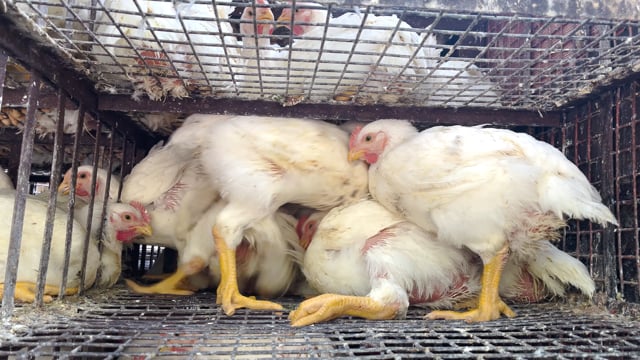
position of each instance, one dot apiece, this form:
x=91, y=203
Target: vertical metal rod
x=22, y=187
x=124, y=168
x=608, y=195
x=617, y=123
x=72, y=199
x=92, y=197
x=54, y=179
x=106, y=199
x=4, y=59
x=635, y=178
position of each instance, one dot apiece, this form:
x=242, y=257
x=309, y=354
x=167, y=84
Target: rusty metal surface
x=122, y=325
x=615, y=9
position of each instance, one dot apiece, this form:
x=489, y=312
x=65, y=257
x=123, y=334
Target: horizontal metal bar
x=611, y=9
x=335, y=112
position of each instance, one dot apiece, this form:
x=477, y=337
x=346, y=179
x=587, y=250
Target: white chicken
x=453, y=83
x=47, y=119
x=373, y=264
x=172, y=185
x=83, y=184
x=392, y=263
x=387, y=51
x=265, y=266
x=178, y=46
x=256, y=23
x=308, y=16
x=256, y=167
x=123, y=223
x=477, y=187
x=456, y=83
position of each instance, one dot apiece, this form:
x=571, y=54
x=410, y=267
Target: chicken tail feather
x=576, y=200
x=557, y=269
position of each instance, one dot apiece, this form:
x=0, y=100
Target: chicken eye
x=367, y=138
x=250, y=13
x=127, y=217
x=82, y=175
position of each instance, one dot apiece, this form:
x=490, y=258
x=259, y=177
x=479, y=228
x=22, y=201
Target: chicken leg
x=25, y=292
x=174, y=284
x=490, y=305
x=228, y=294
x=331, y=306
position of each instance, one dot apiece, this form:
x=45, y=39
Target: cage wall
x=568, y=81
x=601, y=137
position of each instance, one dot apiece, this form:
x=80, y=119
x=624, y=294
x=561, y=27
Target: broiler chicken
x=265, y=265
x=255, y=25
x=256, y=167
x=172, y=185
x=337, y=68
x=183, y=51
x=372, y=263
x=306, y=17
x=123, y=223
x=476, y=187
x=84, y=179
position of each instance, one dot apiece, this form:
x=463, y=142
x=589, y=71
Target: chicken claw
x=490, y=306
x=331, y=306
x=25, y=292
x=228, y=295
x=175, y=283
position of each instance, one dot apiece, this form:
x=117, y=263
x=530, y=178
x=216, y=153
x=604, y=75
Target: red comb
x=300, y=225
x=354, y=136
x=143, y=211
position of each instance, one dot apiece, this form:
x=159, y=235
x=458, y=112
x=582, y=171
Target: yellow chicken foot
x=174, y=284
x=331, y=306
x=155, y=276
x=490, y=305
x=470, y=303
x=26, y=292
x=227, y=293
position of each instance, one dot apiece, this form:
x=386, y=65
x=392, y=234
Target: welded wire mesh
x=456, y=58
x=126, y=326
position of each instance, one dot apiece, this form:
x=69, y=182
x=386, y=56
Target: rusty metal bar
x=608, y=195
x=4, y=58
x=92, y=195
x=54, y=179
x=334, y=112
x=22, y=189
x=72, y=200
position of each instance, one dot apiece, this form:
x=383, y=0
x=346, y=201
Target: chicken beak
x=144, y=230
x=305, y=240
x=64, y=188
x=285, y=18
x=265, y=16
x=265, y=29
x=355, y=154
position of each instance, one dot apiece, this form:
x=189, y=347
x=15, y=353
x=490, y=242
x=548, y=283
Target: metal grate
x=125, y=326
x=480, y=59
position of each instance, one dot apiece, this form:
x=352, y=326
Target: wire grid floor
x=503, y=61
x=121, y=325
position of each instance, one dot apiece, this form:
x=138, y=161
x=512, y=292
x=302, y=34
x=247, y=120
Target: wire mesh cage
x=99, y=83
